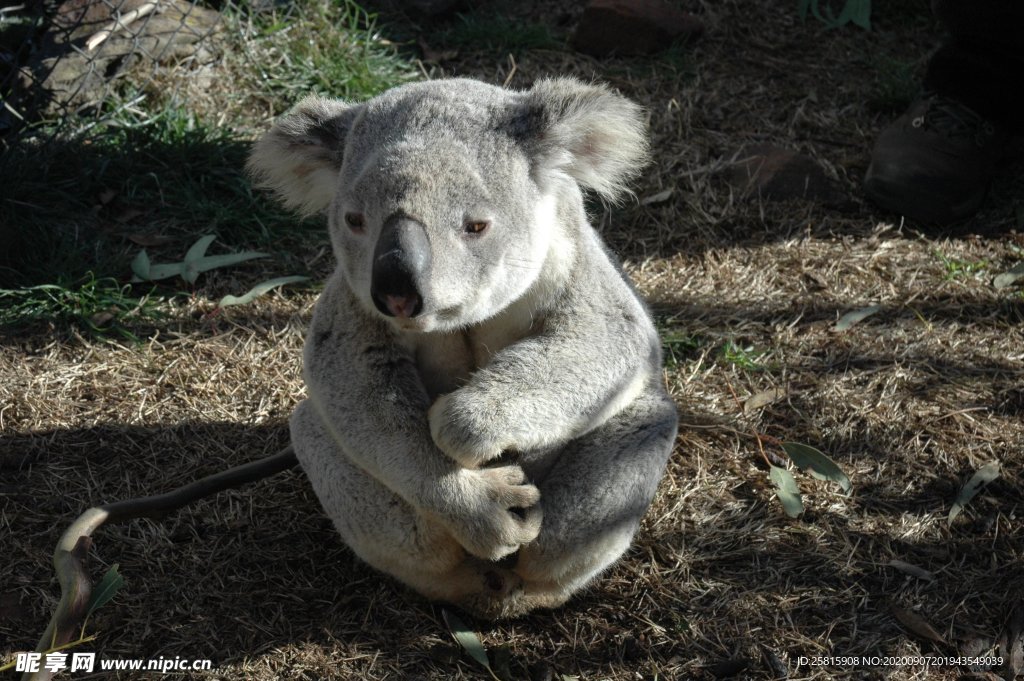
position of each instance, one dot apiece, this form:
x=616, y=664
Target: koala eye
x=355, y=221
x=476, y=226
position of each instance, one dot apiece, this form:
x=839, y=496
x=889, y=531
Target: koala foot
x=498, y=586
x=503, y=594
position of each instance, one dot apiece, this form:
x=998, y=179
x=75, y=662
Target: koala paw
x=458, y=432
x=495, y=513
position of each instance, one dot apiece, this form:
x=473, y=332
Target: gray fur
x=529, y=375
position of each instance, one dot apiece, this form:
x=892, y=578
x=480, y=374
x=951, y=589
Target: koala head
x=445, y=198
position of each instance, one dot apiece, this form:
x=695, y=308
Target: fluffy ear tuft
x=594, y=135
x=299, y=159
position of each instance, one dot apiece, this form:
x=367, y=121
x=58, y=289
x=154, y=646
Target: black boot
x=934, y=163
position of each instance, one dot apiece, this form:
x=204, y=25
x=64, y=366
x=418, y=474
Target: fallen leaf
x=851, y=318
x=981, y=477
x=916, y=624
x=787, y=491
x=196, y=262
x=258, y=290
x=141, y=265
x=1010, y=276
x=660, y=197
x=195, y=253
x=763, y=399
x=109, y=585
x=911, y=570
x=467, y=638
x=809, y=459
x=815, y=281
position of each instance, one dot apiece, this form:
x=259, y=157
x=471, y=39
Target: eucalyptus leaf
x=158, y=272
x=196, y=252
x=109, y=585
x=467, y=638
x=912, y=570
x=258, y=290
x=660, y=197
x=195, y=263
x=811, y=460
x=140, y=265
x=981, y=477
x=191, y=266
x=851, y=318
x=1010, y=276
x=763, y=399
x=166, y=271
x=916, y=624
x=787, y=491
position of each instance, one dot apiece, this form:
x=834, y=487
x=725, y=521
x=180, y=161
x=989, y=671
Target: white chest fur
x=447, y=360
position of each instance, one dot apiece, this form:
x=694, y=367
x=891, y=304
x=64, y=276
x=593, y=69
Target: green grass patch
x=741, y=357
x=71, y=207
x=959, y=269
x=333, y=48
x=82, y=195
x=678, y=346
x=98, y=306
x=149, y=169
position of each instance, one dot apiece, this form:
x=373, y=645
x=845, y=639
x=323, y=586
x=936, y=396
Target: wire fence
x=76, y=63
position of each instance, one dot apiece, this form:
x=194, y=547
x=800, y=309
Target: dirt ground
x=909, y=402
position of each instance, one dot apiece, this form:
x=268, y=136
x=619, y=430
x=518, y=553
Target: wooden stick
x=121, y=22
x=72, y=550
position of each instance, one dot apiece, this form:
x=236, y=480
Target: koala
x=485, y=419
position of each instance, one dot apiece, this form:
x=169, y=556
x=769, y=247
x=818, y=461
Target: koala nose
x=402, y=256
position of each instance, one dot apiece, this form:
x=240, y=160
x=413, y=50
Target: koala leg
x=386, y=532
x=593, y=498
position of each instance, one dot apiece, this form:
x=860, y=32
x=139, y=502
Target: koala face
x=443, y=225
x=442, y=197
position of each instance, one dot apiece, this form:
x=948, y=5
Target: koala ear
x=594, y=135
x=299, y=159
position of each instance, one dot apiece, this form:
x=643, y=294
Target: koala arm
x=595, y=353
x=370, y=401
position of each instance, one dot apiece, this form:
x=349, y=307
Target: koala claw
x=502, y=513
x=455, y=432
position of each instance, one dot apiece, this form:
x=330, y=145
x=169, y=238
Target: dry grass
x=909, y=402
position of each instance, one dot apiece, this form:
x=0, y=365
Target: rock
x=632, y=27
x=780, y=174
x=85, y=49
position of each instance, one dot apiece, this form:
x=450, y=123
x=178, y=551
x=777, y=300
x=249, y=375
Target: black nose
x=401, y=257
